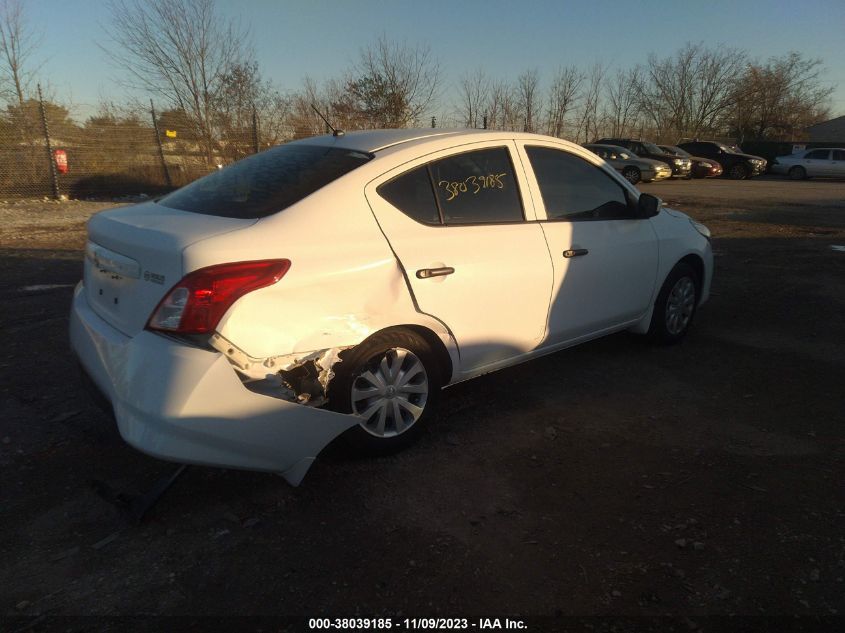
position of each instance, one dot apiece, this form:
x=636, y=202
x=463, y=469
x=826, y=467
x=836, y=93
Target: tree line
x=202, y=70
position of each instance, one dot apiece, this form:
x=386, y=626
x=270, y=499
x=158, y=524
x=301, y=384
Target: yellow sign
x=170, y=133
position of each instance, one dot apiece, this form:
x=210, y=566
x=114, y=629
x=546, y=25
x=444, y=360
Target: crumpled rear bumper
x=186, y=404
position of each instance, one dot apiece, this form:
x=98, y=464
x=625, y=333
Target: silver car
x=632, y=167
x=820, y=161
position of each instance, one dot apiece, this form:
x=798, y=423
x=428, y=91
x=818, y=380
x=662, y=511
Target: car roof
x=608, y=146
x=371, y=141
x=374, y=141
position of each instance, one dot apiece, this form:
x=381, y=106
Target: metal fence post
x=160, y=148
x=255, y=130
x=53, y=173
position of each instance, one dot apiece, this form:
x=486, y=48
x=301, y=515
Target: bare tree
x=688, y=93
x=18, y=42
x=500, y=105
x=589, y=119
x=527, y=94
x=244, y=103
x=622, y=100
x=504, y=111
x=473, y=91
x=303, y=120
x=393, y=85
x=780, y=96
x=181, y=50
x=563, y=94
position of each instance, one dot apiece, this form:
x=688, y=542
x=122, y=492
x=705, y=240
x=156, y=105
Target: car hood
x=675, y=213
x=647, y=162
x=747, y=156
x=667, y=158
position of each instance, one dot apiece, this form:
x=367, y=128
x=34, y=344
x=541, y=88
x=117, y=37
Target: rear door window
x=265, y=183
x=818, y=154
x=477, y=187
x=699, y=149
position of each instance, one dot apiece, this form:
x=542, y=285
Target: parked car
x=734, y=163
x=631, y=166
x=810, y=163
x=701, y=167
x=334, y=285
x=680, y=166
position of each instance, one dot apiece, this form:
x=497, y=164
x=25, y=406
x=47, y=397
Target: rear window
x=412, y=194
x=265, y=183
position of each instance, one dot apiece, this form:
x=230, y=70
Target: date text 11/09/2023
x=430, y=624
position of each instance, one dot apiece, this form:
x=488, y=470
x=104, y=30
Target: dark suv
x=681, y=167
x=734, y=163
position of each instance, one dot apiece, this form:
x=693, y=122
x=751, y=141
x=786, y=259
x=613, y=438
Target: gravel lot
x=614, y=478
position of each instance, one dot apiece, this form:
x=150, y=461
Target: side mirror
x=648, y=205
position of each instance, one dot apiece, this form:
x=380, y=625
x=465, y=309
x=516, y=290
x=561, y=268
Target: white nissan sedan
x=335, y=285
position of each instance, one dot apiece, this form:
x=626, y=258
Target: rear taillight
x=197, y=303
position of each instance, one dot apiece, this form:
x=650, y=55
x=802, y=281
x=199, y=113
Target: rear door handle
x=426, y=273
x=578, y=252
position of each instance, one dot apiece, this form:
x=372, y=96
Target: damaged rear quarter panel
x=344, y=283
x=299, y=377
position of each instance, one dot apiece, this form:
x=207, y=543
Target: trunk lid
x=134, y=256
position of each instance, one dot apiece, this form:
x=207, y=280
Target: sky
x=293, y=39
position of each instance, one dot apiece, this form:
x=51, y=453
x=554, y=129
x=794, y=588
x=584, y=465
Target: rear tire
x=632, y=175
x=392, y=382
x=798, y=173
x=675, y=306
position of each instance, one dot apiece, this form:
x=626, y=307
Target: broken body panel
x=186, y=404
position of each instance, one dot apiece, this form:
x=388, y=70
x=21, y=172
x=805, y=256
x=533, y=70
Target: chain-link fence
x=84, y=151
x=47, y=150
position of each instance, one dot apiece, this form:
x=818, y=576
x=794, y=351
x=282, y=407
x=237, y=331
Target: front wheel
x=632, y=175
x=675, y=305
x=391, y=382
x=739, y=172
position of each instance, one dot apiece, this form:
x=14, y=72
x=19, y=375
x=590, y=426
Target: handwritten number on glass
x=472, y=184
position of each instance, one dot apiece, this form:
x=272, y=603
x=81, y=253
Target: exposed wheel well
x=443, y=358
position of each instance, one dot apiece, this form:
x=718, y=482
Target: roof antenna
x=334, y=131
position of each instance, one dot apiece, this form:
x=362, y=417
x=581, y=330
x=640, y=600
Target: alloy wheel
x=680, y=305
x=391, y=393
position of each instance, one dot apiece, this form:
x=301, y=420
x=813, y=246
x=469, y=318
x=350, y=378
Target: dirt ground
x=615, y=478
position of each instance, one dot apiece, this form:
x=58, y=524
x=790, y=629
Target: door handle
x=578, y=252
x=426, y=273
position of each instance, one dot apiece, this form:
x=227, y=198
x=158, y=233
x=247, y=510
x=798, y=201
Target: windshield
x=651, y=148
x=677, y=151
x=733, y=149
x=265, y=183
